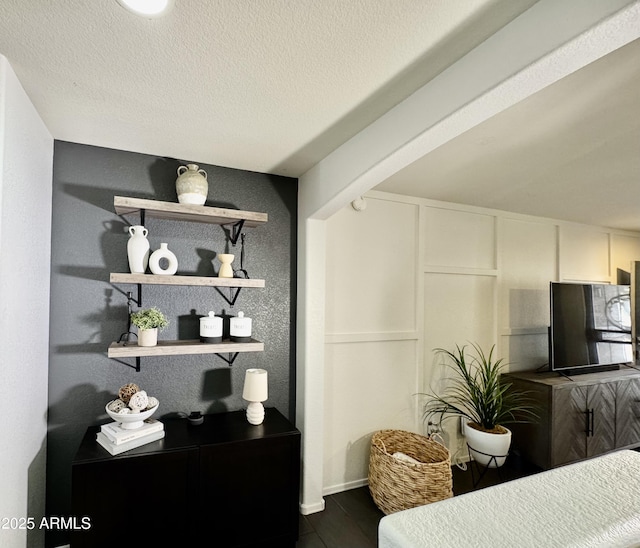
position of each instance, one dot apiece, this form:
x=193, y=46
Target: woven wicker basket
x=398, y=485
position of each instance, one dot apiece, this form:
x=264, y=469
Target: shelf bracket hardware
x=236, y=229
x=143, y=214
x=138, y=301
x=230, y=359
x=127, y=334
x=233, y=295
x=136, y=366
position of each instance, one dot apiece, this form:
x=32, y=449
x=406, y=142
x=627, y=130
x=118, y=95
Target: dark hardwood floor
x=350, y=518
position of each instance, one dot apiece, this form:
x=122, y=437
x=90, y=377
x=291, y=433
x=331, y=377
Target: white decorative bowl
x=131, y=421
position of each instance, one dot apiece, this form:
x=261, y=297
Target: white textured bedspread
x=593, y=503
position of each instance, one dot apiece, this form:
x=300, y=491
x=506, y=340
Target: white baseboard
x=306, y=509
x=340, y=487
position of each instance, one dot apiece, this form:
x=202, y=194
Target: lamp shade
x=255, y=385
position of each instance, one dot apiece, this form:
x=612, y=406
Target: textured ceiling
x=276, y=85
x=571, y=151
x=262, y=85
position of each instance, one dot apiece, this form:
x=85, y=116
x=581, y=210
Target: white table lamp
x=255, y=392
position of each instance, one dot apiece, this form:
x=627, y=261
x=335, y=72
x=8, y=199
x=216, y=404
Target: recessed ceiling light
x=146, y=8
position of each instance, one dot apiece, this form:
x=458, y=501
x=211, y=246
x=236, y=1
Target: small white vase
x=483, y=446
x=148, y=337
x=226, y=271
x=138, y=249
x=158, y=255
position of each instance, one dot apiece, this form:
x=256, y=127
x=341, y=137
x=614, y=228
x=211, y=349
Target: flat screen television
x=590, y=327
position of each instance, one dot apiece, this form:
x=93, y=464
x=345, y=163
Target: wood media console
x=581, y=416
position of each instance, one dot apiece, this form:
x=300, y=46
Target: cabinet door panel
x=628, y=412
x=569, y=440
x=136, y=501
x=601, y=402
x=258, y=480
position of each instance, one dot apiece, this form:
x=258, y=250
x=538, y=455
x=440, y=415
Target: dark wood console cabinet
x=224, y=483
x=580, y=417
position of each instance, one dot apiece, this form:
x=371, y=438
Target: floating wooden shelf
x=181, y=347
x=183, y=212
x=205, y=281
x=238, y=220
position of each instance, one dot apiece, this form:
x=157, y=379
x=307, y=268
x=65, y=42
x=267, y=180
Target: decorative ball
x=127, y=391
x=152, y=402
x=116, y=405
x=124, y=411
x=138, y=401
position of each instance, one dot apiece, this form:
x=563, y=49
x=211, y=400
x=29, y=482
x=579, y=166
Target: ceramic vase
x=158, y=255
x=138, y=249
x=192, y=185
x=226, y=271
x=485, y=445
x=148, y=337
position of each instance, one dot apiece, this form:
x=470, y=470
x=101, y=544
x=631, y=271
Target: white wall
x=26, y=161
x=406, y=276
x=372, y=324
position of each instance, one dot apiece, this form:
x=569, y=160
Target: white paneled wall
x=466, y=302
x=528, y=262
x=584, y=254
x=407, y=276
x=371, y=270
x=371, y=332
x=373, y=385
x=624, y=250
x=459, y=239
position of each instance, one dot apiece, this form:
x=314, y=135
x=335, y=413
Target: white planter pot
x=148, y=337
x=484, y=445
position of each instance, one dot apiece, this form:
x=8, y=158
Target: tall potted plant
x=476, y=393
x=148, y=322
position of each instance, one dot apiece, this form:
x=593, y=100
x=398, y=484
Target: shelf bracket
x=136, y=366
x=131, y=300
x=233, y=295
x=125, y=336
x=236, y=229
x=230, y=359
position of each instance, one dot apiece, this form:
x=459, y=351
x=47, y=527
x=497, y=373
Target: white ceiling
x=570, y=151
x=276, y=85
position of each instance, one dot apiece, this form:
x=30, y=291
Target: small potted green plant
x=476, y=393
x=148, y=321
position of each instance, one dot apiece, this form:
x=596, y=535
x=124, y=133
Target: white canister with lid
x=240, y=328
x=211, y=328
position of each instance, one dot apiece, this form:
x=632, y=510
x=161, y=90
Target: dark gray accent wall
x=88, y=312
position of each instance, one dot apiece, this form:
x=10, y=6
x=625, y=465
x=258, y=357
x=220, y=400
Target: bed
x=593, y=503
